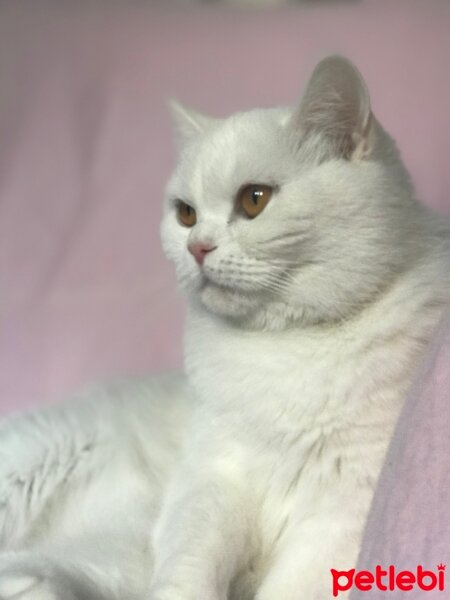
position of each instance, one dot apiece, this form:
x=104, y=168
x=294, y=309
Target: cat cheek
x=173, y=252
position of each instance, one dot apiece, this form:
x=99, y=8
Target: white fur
x=304, y=332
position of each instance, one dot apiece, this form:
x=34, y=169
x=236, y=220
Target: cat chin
x=227, y=302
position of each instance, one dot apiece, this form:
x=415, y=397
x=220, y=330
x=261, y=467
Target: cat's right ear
x=188, y=123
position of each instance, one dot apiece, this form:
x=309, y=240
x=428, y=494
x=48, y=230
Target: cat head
x=288, y=215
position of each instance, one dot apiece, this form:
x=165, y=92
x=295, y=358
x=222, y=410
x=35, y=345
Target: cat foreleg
x=309, y=551
x=201, y=536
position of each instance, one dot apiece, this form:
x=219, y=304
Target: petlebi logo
x=389, y=580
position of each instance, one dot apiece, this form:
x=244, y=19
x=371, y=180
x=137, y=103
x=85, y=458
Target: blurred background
x=86, y=149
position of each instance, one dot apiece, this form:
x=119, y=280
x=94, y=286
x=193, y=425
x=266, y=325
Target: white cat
x=314, y=282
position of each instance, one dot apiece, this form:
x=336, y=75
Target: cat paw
x=171, y=593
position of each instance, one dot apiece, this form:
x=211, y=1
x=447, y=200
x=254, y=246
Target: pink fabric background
x=85, y=149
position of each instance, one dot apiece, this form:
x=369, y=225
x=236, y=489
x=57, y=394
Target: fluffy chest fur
x=305, y=415
x=329, y=377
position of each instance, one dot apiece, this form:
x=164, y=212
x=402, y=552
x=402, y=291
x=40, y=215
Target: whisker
x=276, y=285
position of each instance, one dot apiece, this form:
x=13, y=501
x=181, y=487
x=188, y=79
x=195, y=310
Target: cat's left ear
x=189, y=124
x=336, y=107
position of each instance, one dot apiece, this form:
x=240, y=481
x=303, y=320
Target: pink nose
x=200, y=250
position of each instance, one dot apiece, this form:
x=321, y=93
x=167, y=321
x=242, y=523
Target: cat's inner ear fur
x=336, y=107
x=188, y=123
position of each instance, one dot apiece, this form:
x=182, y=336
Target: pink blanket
x=410, y=520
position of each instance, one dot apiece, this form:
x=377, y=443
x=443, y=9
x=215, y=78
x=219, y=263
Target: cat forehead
x=240, y=136
x=247, y=147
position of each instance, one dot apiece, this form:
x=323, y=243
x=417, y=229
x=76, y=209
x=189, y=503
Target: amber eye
x=254, y=198
x=186, y=214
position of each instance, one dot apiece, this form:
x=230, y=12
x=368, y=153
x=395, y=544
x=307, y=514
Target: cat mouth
x=209, y=282
x=210, y=285
x=221, y=284
x=230, y=289
x=225, y=300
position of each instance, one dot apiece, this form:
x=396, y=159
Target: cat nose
x=199, y=250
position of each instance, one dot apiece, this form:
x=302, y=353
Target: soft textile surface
x=409, y=523
x=85, y=149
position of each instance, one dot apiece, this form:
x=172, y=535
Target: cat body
x=301, y=428
x=314, y=283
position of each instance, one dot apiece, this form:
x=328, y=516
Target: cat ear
x=336, y=106
x=188, y=123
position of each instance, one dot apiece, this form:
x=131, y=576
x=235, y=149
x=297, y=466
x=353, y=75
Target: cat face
x=288, y=215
